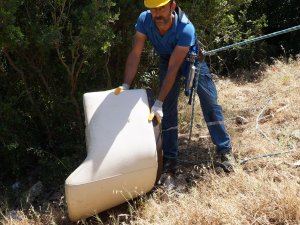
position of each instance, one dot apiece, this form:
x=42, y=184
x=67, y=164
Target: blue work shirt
x=181, y=34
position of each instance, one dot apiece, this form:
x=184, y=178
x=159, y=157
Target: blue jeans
x=212, y=111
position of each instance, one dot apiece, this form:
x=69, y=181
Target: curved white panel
x=121, y=160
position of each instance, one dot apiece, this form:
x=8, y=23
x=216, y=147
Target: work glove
x=119, y=89
x=156, y=110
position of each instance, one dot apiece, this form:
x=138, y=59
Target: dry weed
x=261, y=191
x=240, y=198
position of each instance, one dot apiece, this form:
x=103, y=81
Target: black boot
x=170, y=165
x=227, y=161
x=168, y=179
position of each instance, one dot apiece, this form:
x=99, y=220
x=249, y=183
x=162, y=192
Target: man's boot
x=168, y=180
x=227, y=161
x=170, y=165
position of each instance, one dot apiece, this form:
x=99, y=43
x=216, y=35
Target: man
x=173, y=39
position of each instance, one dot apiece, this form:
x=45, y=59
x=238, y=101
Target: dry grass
x=280, y=84
x=261, y=191
x=241, y=198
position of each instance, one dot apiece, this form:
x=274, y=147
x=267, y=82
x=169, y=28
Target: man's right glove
x=119, y=89
x=156, y=110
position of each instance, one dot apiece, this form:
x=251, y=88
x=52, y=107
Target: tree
x=47, y=49
x=279, y=15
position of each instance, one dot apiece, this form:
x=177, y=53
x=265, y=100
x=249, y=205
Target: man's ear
x=173, y=6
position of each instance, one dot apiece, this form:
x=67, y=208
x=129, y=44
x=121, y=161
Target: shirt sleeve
x=187, y=35
x=139, y=26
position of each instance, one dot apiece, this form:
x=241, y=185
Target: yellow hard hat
x=155, y=3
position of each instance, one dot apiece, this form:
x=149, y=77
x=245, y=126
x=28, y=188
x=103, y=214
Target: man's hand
x=119, y=89
x=156, y=110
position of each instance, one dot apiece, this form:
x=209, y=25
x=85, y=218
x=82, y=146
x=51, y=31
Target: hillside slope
x=262, y=117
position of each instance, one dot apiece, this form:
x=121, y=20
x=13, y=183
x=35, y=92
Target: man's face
x=161, y=15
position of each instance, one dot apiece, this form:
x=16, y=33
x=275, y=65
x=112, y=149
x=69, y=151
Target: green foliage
x=9, y=32
x=49, y=50
x=220, y=23
x=279, y=15
x=124, y=30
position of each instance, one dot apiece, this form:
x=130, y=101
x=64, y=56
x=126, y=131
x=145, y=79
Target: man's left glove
x=119, y=89
x=156, y=110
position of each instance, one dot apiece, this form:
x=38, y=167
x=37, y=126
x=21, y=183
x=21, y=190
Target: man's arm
x=134, y=57
x=175, y=62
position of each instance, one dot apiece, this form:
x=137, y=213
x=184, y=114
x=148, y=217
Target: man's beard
x=162, y=21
